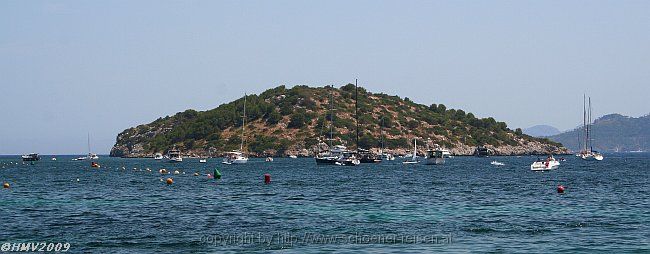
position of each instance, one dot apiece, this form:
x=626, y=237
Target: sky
x=69, y=69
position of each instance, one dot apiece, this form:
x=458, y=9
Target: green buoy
x=217, y=174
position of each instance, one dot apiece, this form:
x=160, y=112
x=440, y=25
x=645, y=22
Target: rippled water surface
x=465, y=205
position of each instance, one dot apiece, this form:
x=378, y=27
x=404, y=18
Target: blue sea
x=465, y=205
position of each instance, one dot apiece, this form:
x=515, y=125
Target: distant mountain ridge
x=541, y=131
x=611, y=133
x=290, y=121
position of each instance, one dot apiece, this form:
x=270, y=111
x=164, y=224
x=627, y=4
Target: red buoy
x=560, y=189
x=267, y=178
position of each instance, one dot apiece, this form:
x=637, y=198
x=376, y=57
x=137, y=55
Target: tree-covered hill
x=611, y=133
x=284, y=121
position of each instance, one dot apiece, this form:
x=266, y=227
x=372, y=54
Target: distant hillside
x=283, y=121
x=611, y=133
x=541, y=131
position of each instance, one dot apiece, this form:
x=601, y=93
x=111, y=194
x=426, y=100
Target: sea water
x=465, y=205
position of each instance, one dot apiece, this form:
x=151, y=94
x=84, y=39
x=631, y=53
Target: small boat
x=348, y=158
x=53, y=158
x=387, y=156
x=158, y=156
x=446, y=153
x=234, y=157
x=203, y=160
x=481, y=151
x=293, y=156
x=237, y=156
x=414, y=158
x=80, y=158
x=175, y=155
x=435, y=157
x=91, y=156
x=366, y=156
x=31, y=157
x=269, y=159
x=496, y=163
x=549, y=164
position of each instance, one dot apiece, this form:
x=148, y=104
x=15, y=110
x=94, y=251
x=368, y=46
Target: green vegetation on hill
x=611, y=133
x=280, y=119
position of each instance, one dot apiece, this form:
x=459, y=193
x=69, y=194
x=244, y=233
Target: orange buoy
x=267, y=178
x=560, y=189
x=5, y=185
x=170, y=180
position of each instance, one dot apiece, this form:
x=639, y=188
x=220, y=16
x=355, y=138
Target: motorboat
x=387, y=156
x=332, y=156
x=446, y=153
x=175, y=155
x=203, y=160
x=435, y=157
x=269, y=159
x=366, y=156
x=496, y=163
x=158, y=156
x=235, y=157
x=549, y=164
x=93, y=156
x=348, y=158
x=293, y=156
x=31, y=157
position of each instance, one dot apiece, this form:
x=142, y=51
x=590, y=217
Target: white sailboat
x=238, y=156
x=414, y=158
x=91, y=156
x=588, y=152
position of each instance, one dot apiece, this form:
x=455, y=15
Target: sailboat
x=588, y=153
x=336, y=154
x=364, y=155
x=414, y=158
x=382, y=154
x=91, y=156
x=238, y=156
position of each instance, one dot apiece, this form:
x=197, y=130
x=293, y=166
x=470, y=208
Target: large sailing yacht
x=238, y=156
x=588, y=153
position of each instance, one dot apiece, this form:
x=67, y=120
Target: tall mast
x=589, y=126
x=243, y=126
x=584, y=119
x=88, y=140
x=356, y=109
x=382, y=135
x=331, y=116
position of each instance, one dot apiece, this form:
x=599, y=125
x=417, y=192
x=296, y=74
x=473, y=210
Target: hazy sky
x=68, y=68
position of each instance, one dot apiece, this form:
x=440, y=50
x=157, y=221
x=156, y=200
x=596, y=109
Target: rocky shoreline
x=530, y=148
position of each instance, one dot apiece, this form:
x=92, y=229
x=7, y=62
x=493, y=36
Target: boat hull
x=435, y=161
x=543, y=166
